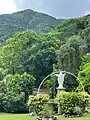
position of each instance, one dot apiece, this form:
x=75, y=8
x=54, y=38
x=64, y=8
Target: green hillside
x=74, y=26
x=26, y=20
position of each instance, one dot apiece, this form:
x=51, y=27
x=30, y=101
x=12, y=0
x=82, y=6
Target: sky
x=55, y=8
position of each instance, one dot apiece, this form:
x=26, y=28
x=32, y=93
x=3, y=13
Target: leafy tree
x=15, y=103
x=14, y=92
x=31, y=53
x=69, y=59
x=2, y=95
x=20, y=83
x=84, y=77
x=69, y=55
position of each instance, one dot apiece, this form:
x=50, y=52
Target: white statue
x=60, y=79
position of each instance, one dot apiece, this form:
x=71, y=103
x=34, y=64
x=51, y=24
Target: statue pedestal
x=59, y=108
x=60, y=89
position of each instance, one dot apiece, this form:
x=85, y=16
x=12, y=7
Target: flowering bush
x=37, y=102
x=73, y=103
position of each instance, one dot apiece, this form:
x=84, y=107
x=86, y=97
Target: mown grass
x=86, y=117
x=5, y=116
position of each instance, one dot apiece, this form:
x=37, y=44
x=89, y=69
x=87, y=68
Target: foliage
x=86, y=36
x=47, y=111
x=31, y=53
x=69, y=54
x=15, y=103
x=73, y=103
x=14, y=92
x=25, y=20
x=84, y=77
x=68, y=59
x=51, y=85
x=37, y=102
x=73, y=26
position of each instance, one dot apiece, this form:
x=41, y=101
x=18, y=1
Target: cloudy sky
x=56, y=8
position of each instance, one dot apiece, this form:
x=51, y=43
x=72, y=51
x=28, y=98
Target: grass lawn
x=4, y=116
x=86, y=117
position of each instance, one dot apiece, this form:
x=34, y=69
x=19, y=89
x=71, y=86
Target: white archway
x=54, y=74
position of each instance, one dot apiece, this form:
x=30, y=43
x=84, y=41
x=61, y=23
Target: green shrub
x=73, y=103
x=15, y=103
x=37, y=102
x=46, y=111
x=14, y=92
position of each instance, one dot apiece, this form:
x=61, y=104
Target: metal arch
x=55, y=73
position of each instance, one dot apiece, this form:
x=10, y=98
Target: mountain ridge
x=26, y=20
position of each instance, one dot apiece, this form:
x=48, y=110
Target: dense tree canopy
x=25, y=20
x=31, y=53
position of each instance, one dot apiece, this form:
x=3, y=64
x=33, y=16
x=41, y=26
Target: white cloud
x=7, y=6
x=87, y=12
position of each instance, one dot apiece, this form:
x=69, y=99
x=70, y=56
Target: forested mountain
x=28, y=57
x=76, y=26
x=26, y=20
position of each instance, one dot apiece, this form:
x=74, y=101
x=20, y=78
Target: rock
x=38, y=118
x=32, y=114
